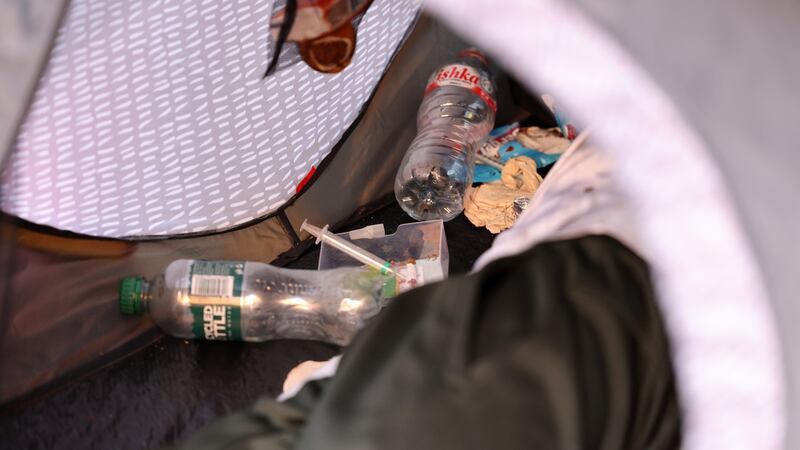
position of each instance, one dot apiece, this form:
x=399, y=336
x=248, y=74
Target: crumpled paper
x=520, y=173
x=491, y=205
x=548, y=140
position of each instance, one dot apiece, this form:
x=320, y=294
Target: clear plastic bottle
x=458, y=110
x=248, y=301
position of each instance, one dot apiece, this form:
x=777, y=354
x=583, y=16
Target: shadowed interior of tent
x=77, y=335
x=135, y=145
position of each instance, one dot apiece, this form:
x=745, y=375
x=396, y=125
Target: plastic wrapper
x=543, y=146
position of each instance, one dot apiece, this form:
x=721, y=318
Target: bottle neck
x=146, y=295
x=475, y=55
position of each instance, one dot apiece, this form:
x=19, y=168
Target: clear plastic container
x=417, y=250
x=249, y=301
x=457, y=112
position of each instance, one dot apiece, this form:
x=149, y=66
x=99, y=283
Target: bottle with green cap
x=249, y=301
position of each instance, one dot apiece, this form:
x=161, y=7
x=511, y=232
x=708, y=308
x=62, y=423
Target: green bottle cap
x=130, y=296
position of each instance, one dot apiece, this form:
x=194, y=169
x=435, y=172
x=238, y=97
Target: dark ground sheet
x=159, y=395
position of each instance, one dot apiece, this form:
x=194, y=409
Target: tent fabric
x=564, y=339
x=729, y=69
x=62, y=311
x=27, y=30
x=716, y=93
x=156, y=119
x=682, y=219
x=81, y=327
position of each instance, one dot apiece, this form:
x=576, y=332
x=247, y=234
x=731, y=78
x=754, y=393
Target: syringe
x=347, y=247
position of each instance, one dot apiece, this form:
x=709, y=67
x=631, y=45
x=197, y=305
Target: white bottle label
x=212, y=285
x=215, y=296
x=463, y=76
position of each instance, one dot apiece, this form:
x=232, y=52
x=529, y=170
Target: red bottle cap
x=473, y=53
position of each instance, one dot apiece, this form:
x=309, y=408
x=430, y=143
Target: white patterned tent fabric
x=153, y=118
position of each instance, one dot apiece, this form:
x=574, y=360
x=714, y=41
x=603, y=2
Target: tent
x=682, y=97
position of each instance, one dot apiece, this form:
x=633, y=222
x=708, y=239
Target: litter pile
x=507, y=173
x=496, y=205
x=435, y=179
x=359, y=273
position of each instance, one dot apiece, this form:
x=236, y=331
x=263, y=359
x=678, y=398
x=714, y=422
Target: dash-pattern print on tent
x=154, y=118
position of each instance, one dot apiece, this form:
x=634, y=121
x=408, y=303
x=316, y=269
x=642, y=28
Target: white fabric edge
x=293, y=385
x=722, y=331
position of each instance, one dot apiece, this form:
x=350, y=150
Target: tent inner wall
x=63, y=307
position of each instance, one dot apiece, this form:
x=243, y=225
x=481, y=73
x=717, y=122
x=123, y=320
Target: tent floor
x=159, y=395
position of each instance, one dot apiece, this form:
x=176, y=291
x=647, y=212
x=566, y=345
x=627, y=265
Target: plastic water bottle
x=457, y=112
x=248, y=301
